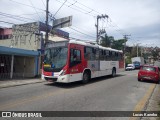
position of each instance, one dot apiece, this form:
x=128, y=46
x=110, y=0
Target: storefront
x=18, y=63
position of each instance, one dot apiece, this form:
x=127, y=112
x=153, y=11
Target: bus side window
x=110, y=55
x=107, y=55
x=101, y=56
x=97, y=54
x=75, y=57
x=90, y=53
x=87, y=54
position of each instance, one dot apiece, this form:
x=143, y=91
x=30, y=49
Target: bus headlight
x=63, y=72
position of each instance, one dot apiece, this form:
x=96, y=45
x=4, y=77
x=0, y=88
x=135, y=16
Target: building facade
x=22, y=48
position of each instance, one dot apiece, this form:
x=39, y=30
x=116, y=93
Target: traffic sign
x=62, y=22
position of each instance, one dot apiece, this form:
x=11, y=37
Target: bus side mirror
x=84, y=49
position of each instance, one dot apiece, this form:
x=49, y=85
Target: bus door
x=75, y=63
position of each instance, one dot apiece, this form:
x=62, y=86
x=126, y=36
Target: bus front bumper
x=61, y=79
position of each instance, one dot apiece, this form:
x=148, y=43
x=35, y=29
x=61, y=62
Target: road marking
x=141, y=104
x=34, y=98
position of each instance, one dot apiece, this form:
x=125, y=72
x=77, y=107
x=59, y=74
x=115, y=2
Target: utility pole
x=97, y=26
x=125, y=38
x=46, y=36
x=124, y=49
x=137, y=49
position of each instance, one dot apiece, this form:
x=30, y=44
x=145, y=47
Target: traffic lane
x=11, y=94
x=25, y=91
x=119, y=93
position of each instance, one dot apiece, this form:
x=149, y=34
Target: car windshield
x=129, y=65
x=56, y=57
x=147, y=68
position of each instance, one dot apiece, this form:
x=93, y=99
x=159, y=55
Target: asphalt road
x=121, y=93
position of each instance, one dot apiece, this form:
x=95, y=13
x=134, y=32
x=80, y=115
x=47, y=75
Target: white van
x=130, y=67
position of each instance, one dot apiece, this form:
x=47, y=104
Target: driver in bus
x=74, y=57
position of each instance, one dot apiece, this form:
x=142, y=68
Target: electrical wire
x=82, y=33
x=115, y=26
x=43, y=3
x=15, y=17
x=75, y=32
x=82, y=29
x=26, y=5
x=59, y=8
x=79, y=10
x=35, y=10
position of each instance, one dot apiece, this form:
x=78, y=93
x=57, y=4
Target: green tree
x=109, y=41
x=128, y=58
x=106, y=41
x=155, y=54
x=118, y=44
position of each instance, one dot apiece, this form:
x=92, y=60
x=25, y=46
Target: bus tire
x=158, y=82
x=113, y=72
x=86, y=77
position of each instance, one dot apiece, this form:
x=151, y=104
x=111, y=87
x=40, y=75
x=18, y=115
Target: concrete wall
x=6, y=43
x=6, y=31
x=29, y=42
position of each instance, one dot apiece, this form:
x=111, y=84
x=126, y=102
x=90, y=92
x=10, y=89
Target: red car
x=150, y=73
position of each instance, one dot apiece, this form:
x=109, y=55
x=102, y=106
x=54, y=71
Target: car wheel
x=139, y=80
x=46, y=78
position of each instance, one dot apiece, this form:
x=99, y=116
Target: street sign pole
x=46, y=37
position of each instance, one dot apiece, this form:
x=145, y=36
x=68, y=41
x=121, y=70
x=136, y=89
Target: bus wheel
x=86, y=77
x=158, y=82
x=113, y=72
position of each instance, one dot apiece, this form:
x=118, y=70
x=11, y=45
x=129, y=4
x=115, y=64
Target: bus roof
x=90, y=44
x=84, y=43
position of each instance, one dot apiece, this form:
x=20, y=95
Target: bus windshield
x=56, y=57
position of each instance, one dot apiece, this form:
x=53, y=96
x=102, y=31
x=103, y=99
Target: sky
x=140, y=19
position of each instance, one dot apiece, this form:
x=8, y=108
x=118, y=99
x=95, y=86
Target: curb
x=153, y=101
x=20, y=84
x=145, y=99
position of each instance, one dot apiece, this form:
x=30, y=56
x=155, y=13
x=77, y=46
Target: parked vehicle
x=130, y=67
x=138, y=61
x=150, y=73
x=137, y=64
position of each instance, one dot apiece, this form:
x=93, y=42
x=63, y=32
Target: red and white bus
x=80, y=61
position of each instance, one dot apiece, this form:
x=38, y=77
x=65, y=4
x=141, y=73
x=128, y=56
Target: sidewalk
x=153, y=103
x=18, y=82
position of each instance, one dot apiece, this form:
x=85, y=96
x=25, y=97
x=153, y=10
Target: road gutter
x=143, y=101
